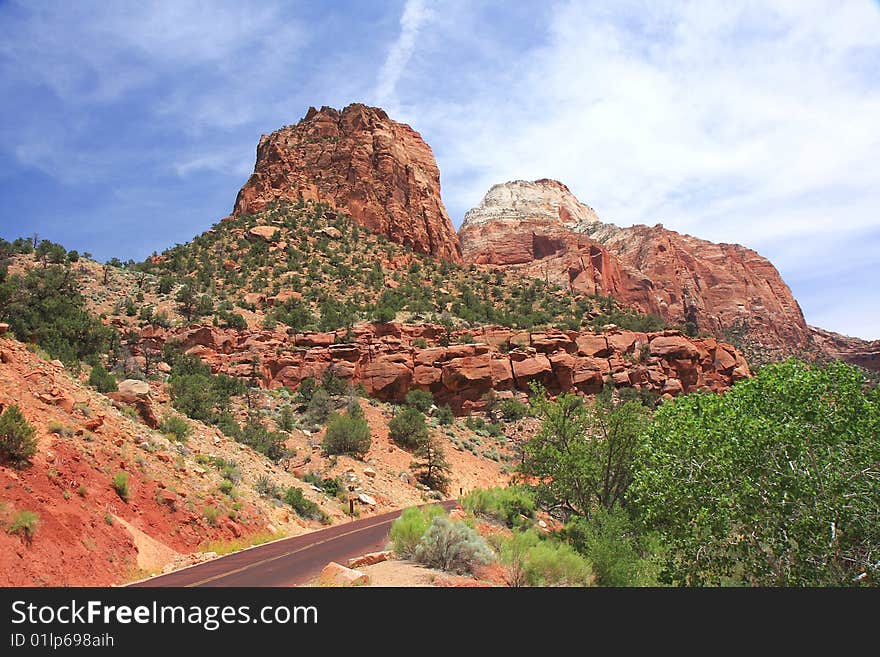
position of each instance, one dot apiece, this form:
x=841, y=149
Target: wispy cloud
x=415, y=14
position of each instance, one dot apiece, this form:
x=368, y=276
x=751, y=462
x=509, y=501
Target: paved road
x=290, y=561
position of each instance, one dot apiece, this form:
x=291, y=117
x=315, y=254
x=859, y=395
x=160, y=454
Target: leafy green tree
x=17, y=442
x=582, y=456
x=408, y=428
x=774, y=483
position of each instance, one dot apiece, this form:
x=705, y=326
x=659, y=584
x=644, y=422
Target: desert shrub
x=332, y=383
x=17, y=442
x=513, y=505
x=419, y=400
x=452, y=546
x=266, y=487
x=444, y=415
x=227, y=424
x=348, y=434
x=258, y=437
x=25, y=525
x=101, y=380
x=306, y=389
x=286, y=418
x=513, y=409
x=420, y=343
x=120, y=485
x=210, y=514
x=175, y=427
x=408, y=428
x=304, y=507
x=226, y=486
x=320, y=406
x=408, y=529
x=59, y=429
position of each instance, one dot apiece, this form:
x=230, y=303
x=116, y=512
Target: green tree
x=17, y=442
x=419, y=399
x=349, y=433
x=101, y=380
x=582, y=456
x=774, y=483
x=187, y=302
x=432, y=469
x=408, y=428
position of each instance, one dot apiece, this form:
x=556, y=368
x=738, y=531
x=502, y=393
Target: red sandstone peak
x=542, y=229
x=363, y=163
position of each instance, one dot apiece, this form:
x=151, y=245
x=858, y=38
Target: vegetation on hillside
x=358, y=275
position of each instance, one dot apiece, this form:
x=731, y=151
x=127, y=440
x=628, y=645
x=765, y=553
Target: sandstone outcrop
x=388, y=362
x=541, y=229
x=360, y=162
x=865, y=353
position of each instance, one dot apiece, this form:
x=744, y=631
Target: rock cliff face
x=387, y=361
x=363, y=163
x=542, y=229
x=865, y=353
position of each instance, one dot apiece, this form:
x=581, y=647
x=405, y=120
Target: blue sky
x=128, y=127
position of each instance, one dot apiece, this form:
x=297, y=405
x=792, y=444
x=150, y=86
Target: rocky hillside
x=361, y=162
x=185, y=499
x=540, y=229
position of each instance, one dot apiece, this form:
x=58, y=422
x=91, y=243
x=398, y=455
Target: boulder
x=370, y=559
x=135, y=388
x=335, y=574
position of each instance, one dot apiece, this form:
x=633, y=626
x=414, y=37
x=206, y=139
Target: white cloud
x=415, y=14
x=738, y=122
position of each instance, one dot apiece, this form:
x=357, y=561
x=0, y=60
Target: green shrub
x=419, y=400
x=267, y=488
x=211, y=513
x=286, y=418
x=347, y=434
x=304, y=507
x=175, y=427
x=101, y=380
x=532, y=560
x=620, y=556
x=444, y=415
x=408, y=529
x=513, y=409
x=306, y=389
x=408, y=428
x=512, y=505
x=452, y=546
x=258, y=437
x=226, y=487
x=120, y=485
x=17, y=442
x=320, y=406
x=332, y=383
x=25, y=525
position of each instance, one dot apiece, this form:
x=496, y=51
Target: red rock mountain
x=542, y=229
x=361, y=162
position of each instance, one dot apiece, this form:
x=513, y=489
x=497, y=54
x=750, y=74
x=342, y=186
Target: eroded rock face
x=363, y=163
x=386, y=360
x=541, y=229
x=865, y=353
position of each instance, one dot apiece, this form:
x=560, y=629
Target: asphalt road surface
x=290, y=561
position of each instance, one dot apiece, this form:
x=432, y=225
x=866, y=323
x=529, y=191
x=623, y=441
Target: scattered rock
x=363, y=498
x=370, y=559
x=134, y=387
